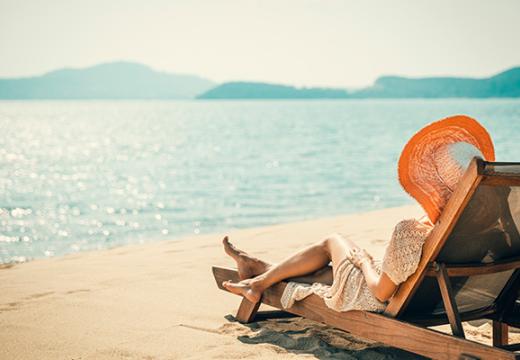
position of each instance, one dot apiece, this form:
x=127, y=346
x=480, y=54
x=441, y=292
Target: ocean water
x=82, y=175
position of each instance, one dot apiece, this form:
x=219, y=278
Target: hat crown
x=435, y=158
x=451, y=161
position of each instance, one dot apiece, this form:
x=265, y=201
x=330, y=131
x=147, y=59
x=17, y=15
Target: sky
x=300, y=42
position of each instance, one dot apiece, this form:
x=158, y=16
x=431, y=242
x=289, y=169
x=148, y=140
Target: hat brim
x=414, y=161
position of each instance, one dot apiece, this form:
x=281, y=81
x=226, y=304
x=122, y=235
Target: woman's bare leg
x=304, y=262
x=247, y=265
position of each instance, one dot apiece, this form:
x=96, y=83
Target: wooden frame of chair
x=416, y=337
x=377, y=327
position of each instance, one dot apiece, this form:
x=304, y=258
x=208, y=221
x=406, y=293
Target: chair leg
x=449, y=301
x=500, y=333
x=247, y=311
x=507, y=298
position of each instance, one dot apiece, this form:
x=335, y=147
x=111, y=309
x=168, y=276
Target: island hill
x=257, y=90
x=117, y=80
x=505, y=84
x=127, y=80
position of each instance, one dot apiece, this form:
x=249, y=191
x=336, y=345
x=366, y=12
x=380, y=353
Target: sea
x=87, y=175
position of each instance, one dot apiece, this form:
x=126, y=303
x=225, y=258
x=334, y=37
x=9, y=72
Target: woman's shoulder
x=404, y=250
x=412, y=228
x=414, y=225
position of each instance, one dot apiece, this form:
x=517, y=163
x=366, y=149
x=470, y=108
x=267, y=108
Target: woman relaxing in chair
x=430, y=166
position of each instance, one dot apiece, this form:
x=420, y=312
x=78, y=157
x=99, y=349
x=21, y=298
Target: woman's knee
x=331, y=242
x=337, y=248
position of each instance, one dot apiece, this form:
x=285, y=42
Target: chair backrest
x=478, y=229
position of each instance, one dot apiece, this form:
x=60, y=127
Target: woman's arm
x=380, y=285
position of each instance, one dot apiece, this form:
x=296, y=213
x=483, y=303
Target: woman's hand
x=379, y=284
x=359, y=256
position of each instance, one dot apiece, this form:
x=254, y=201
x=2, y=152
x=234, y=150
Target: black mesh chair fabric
x=487, y=231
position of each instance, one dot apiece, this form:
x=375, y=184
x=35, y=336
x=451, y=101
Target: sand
x=159, y=300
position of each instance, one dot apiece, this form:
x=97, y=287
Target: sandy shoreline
x=159, y=300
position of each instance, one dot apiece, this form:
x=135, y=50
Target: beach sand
x=159, y=300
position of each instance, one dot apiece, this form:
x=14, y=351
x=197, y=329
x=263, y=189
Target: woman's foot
x=246, y=288
x=247, y=265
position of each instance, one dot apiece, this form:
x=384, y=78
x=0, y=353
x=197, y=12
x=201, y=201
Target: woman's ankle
x=260, y=283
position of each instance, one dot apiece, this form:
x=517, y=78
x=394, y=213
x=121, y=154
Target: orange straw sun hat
x=435, y=158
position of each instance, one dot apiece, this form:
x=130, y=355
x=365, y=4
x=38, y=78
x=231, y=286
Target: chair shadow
x=302, y=336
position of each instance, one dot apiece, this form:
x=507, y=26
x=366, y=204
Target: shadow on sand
x=302, y=336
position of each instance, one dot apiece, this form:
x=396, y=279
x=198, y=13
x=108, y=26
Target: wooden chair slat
x=475, y=269
x=449, y=301
x=500, y=333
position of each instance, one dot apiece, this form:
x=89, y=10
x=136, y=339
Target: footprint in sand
x=77, y=291
x=10, y=306
x=40, y=295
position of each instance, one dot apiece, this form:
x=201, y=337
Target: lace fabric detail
x=349, y=290
x=404, y=251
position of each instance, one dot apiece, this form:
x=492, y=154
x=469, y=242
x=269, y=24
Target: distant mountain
x=127, y=80
x=505, y=84
x=117, y=80
x=256, y=90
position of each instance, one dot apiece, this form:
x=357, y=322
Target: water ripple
x=85, y=175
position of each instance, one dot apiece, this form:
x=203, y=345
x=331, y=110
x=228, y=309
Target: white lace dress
x=349, y=290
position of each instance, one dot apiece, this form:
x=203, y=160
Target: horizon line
x=245, y=80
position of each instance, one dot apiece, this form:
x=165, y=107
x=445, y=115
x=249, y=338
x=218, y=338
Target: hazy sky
x=301, y=42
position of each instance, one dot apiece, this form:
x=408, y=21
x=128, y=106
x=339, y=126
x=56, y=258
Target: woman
x=430, y=166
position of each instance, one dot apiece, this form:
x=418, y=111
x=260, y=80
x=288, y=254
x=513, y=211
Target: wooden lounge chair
x=469, y=270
